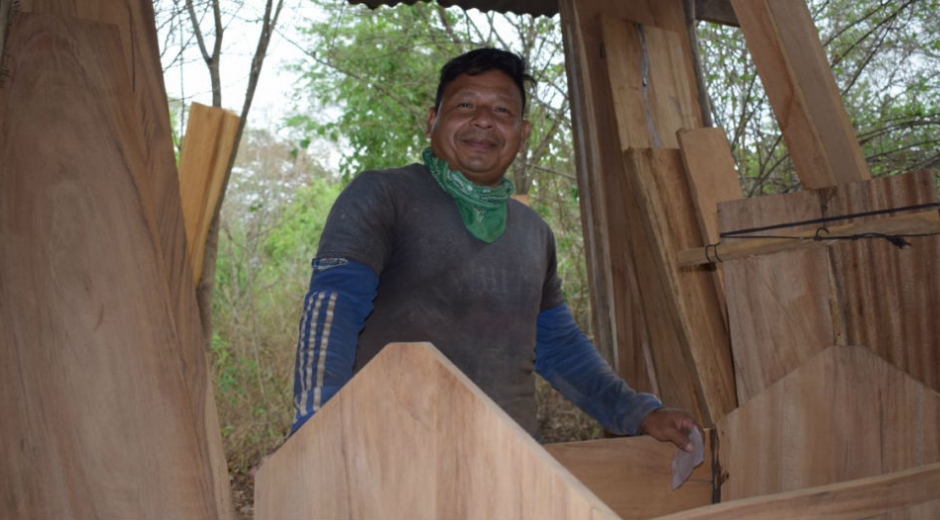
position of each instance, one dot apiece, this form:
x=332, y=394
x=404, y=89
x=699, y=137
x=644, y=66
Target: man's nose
x=482, y=118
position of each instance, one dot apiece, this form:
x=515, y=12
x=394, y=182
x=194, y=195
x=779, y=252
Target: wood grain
x=683, y=309
x=633, y=475
x=151, y=115
x=845, y=414
x=99, y=420
x=802, y=91
x=779, y=313
x=903, y=494
x=207, y=147
x=411, y=437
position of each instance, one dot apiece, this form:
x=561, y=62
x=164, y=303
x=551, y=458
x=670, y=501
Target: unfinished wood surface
x=99, y=420
x=904, y=494
x=633, y=475
x=888, y=297
x=135, y=22
x=651, y=90
x=845, y=414
x=683, y=309
x=857, y=291
x=411, y=437
x=619, y=326
x=778, y=305
x=791, y=63
x=712, y=178
x=207, y=147
x=920, y=223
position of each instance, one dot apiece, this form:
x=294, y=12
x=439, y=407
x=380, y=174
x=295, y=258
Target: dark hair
x=484, y=60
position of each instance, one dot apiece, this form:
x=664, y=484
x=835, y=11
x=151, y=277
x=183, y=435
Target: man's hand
x=669, y=425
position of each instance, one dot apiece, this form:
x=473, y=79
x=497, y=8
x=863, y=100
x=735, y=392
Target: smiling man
x=439, y=252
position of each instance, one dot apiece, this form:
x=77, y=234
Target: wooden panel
x=99, y=420
x=651, y=91
x=204, y=158
x=135, y=21
x=853, y=500
x=411, y=437
x=778, y=305
x=845, y=414
x=633, y=475
x=888, y=297
x=686, y=323
x=712, y=178
x=792, y=66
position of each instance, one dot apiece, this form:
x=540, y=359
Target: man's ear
x=526, y=127
x=431, y=117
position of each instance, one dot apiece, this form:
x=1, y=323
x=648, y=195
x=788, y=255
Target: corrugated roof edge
x=531, y=7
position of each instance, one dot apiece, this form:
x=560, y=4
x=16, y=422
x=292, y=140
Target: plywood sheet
x=207, y=148
x=633, y=475
x=411, y=437
x=802, y=91
x=903, y=495
x=682, y=305
x=99, y=420
x=846, y=414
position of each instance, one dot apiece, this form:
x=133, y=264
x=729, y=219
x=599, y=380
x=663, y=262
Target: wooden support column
x=796, y=75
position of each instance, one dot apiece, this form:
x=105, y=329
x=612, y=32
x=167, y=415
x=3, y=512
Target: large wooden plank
x=848, y=293
x=633, y=475
x=860, y=499
x=99, y=420
x=778, y=305
x=888, y=297
x=135, y=22
x=411, y=437
x=802, y=91
x=846, y=414
x=204, y=158
x=683, y=309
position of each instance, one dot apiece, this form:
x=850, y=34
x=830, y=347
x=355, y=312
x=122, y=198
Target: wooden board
x=411, y=437
x=802, y=91
x=686, y=324
x=98, y=416
x=207, y=147
x=135, y=22
x=846, y=414
x=903, y=494
x=849, y=293
x=633, y=475
x=778, y=305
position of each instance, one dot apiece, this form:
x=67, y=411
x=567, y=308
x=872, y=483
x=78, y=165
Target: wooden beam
x=799, y=83
x=716, y=11
x=845, y=414
x=852, y=500
x=921, y=223
x=633, y=475
x=410, y=436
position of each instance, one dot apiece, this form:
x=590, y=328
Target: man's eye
x=463, y=105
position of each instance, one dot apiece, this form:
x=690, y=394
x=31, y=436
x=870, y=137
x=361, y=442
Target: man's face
x=479, y=128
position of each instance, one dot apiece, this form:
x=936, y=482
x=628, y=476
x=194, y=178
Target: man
x=439, y=252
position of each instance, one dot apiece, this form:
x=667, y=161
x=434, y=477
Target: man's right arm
x=335, y=309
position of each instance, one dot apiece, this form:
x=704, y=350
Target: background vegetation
x=364, y=87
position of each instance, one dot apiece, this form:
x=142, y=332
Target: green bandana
x=482, y=208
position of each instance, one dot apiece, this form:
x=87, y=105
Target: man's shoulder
x=528, y=215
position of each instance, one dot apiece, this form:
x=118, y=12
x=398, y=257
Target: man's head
x=477, y=124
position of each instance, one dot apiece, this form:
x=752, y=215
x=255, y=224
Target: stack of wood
x=812, y=358
x=104, y=391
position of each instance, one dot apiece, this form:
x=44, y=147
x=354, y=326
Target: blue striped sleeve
x=335, y=309
x=567, y=359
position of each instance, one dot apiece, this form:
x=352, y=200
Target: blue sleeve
x=335, y=309
x=568, y=360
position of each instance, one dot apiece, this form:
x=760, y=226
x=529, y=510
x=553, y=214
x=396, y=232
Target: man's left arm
x=568, y=360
